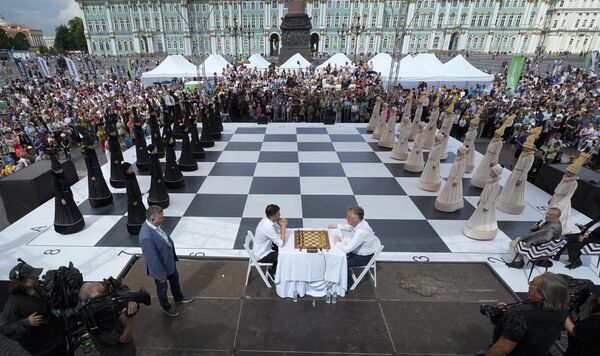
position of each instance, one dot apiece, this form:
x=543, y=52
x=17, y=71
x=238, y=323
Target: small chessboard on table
x=311, y=240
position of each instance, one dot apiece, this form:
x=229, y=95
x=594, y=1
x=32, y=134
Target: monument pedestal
x=295, y=33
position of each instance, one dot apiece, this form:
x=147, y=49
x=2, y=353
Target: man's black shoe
x=515, y=264
x=574, y=265
x=543, y=263
x=556, y=257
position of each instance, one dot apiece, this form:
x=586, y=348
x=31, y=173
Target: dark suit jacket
x=159, y=257
x=549, y=231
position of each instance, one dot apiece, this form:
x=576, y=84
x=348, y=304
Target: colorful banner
x=129, y=69
x=72, y=69
x=587, y=62
x=44, y=65
x=89, y=65
x=21, y=67
x=514, y=72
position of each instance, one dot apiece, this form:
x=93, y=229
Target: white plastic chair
x=253, y=262
x=367, y=269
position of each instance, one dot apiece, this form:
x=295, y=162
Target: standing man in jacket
x=159, y=260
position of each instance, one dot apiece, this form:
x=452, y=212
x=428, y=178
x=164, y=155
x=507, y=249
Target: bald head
x=91, y=290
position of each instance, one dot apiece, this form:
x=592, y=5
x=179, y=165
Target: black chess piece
x=215, y=127
x=177, y=119
x=136, y=211
x=173, y=177
x=155, y=135
x=117, y=176
x=206, y=139
x=98, y=193
x=141, y=151
x=186, y=162
x=158, y=191
x=67, y=217
x=197, y=149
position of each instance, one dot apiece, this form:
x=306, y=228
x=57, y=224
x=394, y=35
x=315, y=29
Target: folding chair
x=592, y=249
x=253, y=262
x=540, y=252
x=367, y=269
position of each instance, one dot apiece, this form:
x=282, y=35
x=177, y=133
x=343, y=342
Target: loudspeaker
x=262, y=120
x=329, y=117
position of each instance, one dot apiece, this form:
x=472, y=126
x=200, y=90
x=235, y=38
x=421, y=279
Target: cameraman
x=532, y=327
x=113, y=337
x=27, y=318
x=584, y=334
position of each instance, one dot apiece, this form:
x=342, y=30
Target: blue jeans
x=161, y=290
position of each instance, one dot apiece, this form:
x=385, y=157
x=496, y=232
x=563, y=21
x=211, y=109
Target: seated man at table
x=269, y=236
x=362, y=242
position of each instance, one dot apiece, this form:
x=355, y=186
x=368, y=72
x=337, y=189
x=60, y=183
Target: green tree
x=20, y=42
x=77, y=34
x=62, y=39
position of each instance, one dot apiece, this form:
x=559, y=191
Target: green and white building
x=364, y=27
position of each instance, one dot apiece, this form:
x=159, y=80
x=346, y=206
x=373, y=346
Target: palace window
x=156, y=23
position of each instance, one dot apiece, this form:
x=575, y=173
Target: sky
x=44, y=15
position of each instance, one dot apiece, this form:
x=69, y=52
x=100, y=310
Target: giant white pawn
x=388, y=138
x=414, y=162
x=374, y=115
x=430, y=178
x=380, y=122
x=482, y=225
x=400, y=151
x=451, y=197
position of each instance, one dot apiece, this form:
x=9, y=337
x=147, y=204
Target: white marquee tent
x=215, y=63
x=381, y=63
x=458, y=71
x=292, y=63
x=420, y=68
x=174, y=66
x=339, y=59
x=257, y=61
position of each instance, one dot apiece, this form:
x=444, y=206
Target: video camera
x=107, y=307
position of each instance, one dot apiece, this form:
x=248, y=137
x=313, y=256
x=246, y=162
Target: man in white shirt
x=269, y=236
x=361, y=244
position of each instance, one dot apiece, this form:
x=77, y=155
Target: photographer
x=530, y=328
x=27, y=317
x=112, y=336
x=584, y=333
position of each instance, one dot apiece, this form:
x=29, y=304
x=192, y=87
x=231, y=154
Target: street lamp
x=235, y=31
x=248, y=35
x=342, y=34
x=357, y=29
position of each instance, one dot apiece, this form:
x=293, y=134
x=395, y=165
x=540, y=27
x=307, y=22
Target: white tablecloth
x=310, y=273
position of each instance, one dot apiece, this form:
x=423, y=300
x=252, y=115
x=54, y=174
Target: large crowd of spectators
x=562, y=99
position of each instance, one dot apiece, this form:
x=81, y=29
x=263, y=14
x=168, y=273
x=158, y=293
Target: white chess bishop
x=414, y=162
x=400, y=151
x=511, y=199
x=446, y=127
x=380, y=122
x=431, y=126
x=418, y=113
x=451, y=196
x=482, y=225
x=470, y=139
x=430, y=178
x=374, y=115
x=388, y=138
x=492, y=153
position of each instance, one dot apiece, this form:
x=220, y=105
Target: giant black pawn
x=117, y=176
x=67, y=217
x=186, y=162
x=155, y=136
x=158, y=191
x=136, y=211
x=98, y=193
x=173, y=177
x=215, y=127
x=206, y=139
x=141, y=150
x=196, y=144
x=177, y=120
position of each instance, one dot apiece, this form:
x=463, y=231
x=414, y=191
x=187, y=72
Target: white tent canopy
x=174, y=66
x=339, y=59
x=381, y=63
x=292, y=63
x=458, y=71
x=421, y=68
x=215, y=63
x=257, y=61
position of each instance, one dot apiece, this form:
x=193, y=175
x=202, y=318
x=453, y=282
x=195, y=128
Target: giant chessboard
x=314, y=173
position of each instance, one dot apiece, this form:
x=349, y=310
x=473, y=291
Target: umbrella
x=244, y=61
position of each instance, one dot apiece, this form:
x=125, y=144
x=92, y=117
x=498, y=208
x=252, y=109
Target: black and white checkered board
x=313, y=174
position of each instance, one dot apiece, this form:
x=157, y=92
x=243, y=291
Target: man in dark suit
x=589, y=233
x=544, y=231
x=159, y=260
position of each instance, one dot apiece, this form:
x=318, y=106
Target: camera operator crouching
x=27, y=317
x=530, y=328
x=111, y=335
